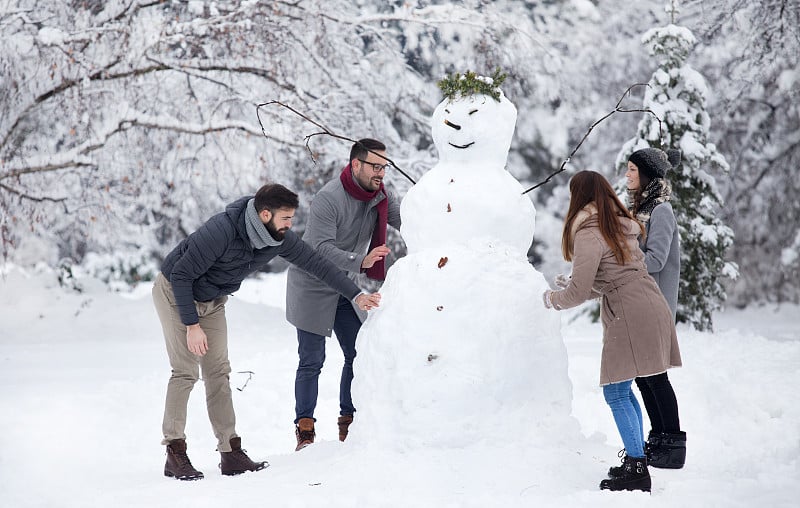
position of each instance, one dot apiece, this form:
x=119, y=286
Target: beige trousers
x=186, y=366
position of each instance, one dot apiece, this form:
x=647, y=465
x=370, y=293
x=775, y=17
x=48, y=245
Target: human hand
x=196, y=340
x=562, y=280
x=376, y=254
x=366, y=301
x=546, y=299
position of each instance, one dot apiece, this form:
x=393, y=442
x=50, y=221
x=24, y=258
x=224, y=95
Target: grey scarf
x=257, y=230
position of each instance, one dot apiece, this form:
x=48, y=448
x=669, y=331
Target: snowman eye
x=447, y=111
x=473, y=111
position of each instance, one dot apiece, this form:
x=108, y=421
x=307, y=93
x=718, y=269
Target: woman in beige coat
x=600, y=238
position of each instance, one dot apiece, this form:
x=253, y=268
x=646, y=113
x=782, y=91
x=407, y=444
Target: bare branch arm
x=616, y=109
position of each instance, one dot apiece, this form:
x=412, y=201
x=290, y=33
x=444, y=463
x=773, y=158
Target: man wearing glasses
x=347, y=225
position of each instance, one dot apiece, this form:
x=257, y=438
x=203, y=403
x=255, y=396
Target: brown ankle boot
x=304, y=430
x=236, y=461
x=178, y=464
x=344, y=426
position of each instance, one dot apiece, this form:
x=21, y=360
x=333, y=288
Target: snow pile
x=83, y=382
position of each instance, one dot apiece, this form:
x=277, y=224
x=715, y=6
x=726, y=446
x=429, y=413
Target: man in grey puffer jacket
x=190, y=294
x=347, y=224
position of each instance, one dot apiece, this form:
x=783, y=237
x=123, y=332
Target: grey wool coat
x=639, y=337
x=662, y=252
x=340, y=228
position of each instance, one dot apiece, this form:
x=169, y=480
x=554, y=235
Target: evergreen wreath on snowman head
x=456, y=86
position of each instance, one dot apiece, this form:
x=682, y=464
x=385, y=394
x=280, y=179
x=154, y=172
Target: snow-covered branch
x=79, y=156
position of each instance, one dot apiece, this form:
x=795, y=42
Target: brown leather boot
x=344, y=426
x=236, y=461
x=304, y=430
x=178, y=465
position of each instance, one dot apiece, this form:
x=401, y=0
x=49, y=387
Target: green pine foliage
x=677, y=94
x=456, y=85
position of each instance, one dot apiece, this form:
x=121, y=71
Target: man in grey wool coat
x=347, y=225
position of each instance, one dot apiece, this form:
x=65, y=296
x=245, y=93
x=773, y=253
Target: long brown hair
x=644, y=181
x=591, y=187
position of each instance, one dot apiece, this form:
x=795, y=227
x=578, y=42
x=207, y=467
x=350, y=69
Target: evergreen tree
x=677, y=94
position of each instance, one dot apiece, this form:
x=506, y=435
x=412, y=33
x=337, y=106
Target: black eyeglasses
x=376, y=168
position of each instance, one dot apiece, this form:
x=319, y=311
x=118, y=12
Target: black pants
x=660, y=402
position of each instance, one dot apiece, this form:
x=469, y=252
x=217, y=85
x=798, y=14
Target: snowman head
x=475, y=122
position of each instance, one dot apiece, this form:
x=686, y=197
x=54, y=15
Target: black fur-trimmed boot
x=653, y=442
x=634, y=476
x=670, y=451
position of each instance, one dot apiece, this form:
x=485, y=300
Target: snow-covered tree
x=125, y=124
x=677, y=95
x=751, y=52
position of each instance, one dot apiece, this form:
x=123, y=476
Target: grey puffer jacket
x=340, y=228
x=214, y=260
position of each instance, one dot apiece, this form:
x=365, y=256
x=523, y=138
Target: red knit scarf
x=378, y=270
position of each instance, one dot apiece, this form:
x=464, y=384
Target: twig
x=22, y=194
x=325, y=131
x=249, y=377
x=616, y=109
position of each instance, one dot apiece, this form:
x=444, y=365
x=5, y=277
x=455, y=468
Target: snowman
x=461, y=347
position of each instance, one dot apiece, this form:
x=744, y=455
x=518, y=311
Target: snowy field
x=83, y=379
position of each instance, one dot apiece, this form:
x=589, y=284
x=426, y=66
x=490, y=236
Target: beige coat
x=639, y=337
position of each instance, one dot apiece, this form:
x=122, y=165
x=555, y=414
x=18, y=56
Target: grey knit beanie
x=654, y=163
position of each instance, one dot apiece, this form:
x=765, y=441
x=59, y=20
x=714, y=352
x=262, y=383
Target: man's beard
x=275, y=233
x=370, y=184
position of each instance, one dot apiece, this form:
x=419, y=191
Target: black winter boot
x=653, y=442
x=634, y=476
x=178, y=465
x=670, y=453
x=616, y=471
x=236, y=461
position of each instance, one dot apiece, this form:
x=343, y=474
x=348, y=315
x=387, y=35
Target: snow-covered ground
x=83, y=376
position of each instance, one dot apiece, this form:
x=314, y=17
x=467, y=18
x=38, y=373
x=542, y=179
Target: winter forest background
x=125, y=124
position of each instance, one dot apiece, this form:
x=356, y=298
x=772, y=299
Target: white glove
x=546, y=299
x=562, y=280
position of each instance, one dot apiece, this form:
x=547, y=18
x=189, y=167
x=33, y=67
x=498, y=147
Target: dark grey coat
x=214, y=260
x=340, y=228
x=662, y=252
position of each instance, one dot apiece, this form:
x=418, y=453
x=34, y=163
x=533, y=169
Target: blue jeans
x=627, y=415
x=311, y=349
